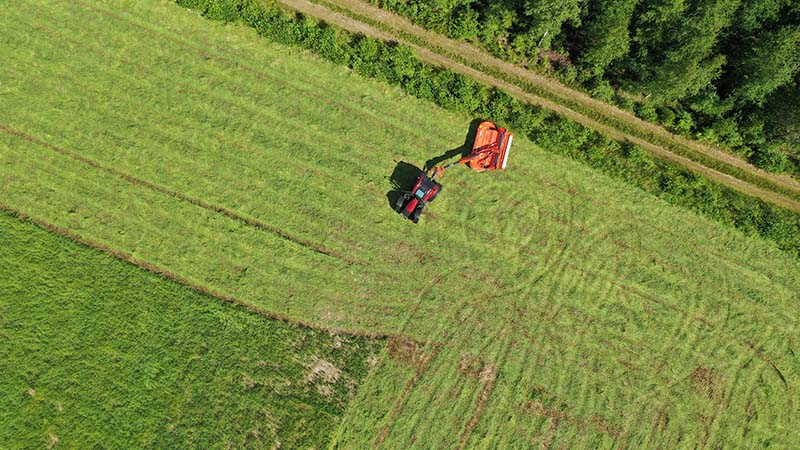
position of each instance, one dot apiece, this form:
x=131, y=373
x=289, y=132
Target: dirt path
x=348, y=23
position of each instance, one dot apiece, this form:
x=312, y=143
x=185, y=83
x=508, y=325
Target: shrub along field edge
x=397, y=64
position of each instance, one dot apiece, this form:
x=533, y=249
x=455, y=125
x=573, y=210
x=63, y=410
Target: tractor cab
x=411, y=204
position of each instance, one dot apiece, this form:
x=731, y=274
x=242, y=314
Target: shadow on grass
x=403, y=177
x=460, y=151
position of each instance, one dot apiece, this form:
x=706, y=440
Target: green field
x=558, y=307
x=97, y=353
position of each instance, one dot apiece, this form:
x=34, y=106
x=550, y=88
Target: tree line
x=725, y=71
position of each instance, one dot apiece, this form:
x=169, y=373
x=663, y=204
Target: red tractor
x=489, y=152
x=411, y=204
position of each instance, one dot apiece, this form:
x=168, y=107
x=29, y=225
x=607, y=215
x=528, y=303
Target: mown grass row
x=97, y=352
x=398, y=65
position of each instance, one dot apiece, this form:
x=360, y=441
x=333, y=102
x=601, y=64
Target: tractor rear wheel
x=399, y=203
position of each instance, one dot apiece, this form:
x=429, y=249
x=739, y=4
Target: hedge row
x=397, y=64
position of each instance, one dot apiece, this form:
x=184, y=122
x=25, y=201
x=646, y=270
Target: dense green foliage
x=97, y=353
x=718, y=64
x=559, y=305
x=398, y=65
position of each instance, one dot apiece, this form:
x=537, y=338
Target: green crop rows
x=549, y=303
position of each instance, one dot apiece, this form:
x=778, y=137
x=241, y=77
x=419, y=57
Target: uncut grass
x=547, y=269
x=106, y=354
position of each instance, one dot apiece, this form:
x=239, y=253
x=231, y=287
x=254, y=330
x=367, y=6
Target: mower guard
x=491, y=147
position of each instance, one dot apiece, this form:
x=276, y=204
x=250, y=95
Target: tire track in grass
x=182, y=197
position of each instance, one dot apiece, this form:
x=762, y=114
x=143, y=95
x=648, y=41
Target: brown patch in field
x=471, y=366
x=549, y=434
x=596, y=421
x=409, y=253
x=661, y=419
x=325, y=390
x=52, y=440
x=706, y=381
x=323, y=375
x=324, y=371
x=32, y=392
x=248, y=383
x=406, y=351
x=373, y=361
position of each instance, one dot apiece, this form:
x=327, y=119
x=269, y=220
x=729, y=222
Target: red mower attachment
x=489, y=152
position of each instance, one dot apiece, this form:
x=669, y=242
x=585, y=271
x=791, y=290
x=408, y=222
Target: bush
x=647, y=112
x=770, y=158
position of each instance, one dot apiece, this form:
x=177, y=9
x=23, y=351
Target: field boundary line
x=323, y=13
x=183, y=197
x=150, y=267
